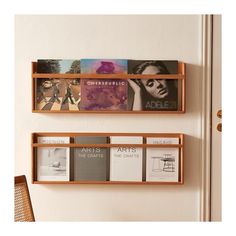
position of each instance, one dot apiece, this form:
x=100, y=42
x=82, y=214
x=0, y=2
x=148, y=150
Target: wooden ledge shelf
x=73, y=146
x=39, y=108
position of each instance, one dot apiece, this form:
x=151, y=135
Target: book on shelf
x=91, y=163
x=126, y=162
x=153, y=94
x=162, y=164
x=53, y=163
x=104, y=94
x=58, y=94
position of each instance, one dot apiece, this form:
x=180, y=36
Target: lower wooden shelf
x=158, y=158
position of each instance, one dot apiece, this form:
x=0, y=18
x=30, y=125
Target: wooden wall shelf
x=178, y=147
x=181, y=77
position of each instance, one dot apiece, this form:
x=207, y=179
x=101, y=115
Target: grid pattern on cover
x=23, y=207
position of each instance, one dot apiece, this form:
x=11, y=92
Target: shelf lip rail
x=107, y=145
x=180, y=75
x=107, y=76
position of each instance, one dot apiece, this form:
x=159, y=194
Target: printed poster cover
x=153, y=94
x=58, y=94
x=104, y=94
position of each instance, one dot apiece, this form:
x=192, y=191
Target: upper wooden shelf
x=56, y=107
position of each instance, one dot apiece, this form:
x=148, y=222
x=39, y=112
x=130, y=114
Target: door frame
x=207, y=183
x=206, y=83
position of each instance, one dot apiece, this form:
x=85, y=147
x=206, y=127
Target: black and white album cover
x=153, y=94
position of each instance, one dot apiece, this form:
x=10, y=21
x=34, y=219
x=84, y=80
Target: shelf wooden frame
x=71, y=135
x=180, y=76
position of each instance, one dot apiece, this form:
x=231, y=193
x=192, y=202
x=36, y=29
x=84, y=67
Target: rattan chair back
x=23, y=206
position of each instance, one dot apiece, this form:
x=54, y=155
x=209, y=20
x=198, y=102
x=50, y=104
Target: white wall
x=134, y=37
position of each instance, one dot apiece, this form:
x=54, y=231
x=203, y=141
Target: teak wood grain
x=72, y=134
x=72, y=145
x=107, y=76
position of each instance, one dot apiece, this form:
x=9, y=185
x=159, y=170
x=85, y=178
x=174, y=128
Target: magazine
x=53, y=162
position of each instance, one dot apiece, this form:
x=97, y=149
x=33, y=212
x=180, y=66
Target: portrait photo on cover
x=153, y=94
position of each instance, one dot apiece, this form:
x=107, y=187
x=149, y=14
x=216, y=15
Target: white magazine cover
x=162, y=164
x=53, y=163
x=126, y=162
